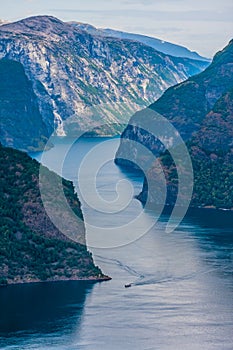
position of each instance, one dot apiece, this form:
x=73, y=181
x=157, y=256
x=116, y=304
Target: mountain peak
x=42, y=24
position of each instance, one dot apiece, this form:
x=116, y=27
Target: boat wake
x=122, y=266
x=170, y=278
x=159, y=278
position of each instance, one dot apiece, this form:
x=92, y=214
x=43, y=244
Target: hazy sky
x=201, y=25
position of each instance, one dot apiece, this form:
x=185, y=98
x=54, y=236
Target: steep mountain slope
x=184, y=105
x=86, y=80
x=201, y=110
x=211, y=151
x=31, y=248
x=157, y=44
x=21, y=124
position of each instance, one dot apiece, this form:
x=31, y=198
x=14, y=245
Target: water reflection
x=211, y=218
x=212, y=231
x=42, y=308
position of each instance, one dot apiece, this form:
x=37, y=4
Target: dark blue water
x=182, y=283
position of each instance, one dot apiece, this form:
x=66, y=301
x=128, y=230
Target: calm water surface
x=182, y=283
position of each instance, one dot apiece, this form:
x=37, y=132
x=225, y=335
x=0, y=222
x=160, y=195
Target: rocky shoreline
x=93, y=279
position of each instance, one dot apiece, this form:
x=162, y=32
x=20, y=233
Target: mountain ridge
x=82, y=81
x=158, y=44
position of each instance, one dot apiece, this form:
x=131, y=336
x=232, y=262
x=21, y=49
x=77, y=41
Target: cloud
x=139, y=2
x=193, y=15
x=148, y=2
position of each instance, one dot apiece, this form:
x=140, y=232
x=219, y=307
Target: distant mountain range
x=201, y=109
x=79, y=80
x=157, y=44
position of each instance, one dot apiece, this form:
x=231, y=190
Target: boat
x=128, y=285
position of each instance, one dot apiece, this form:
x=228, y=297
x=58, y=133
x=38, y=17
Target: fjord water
x=182, y=283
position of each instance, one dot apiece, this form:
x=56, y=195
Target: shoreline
x=78, y=279
x=169, y=207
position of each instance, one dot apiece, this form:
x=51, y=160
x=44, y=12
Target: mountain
x=3, y=22
x=201, y=110
x=82, y=81
x=211, y=150
x=21, y=124
x=32, y=249
x=157, y=44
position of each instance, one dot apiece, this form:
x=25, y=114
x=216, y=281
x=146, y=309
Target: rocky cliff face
x=81, y=80
x=32, y=249
x=21, y=124
x=201, y=110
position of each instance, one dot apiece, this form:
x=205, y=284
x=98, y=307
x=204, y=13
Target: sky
x=205, y=26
